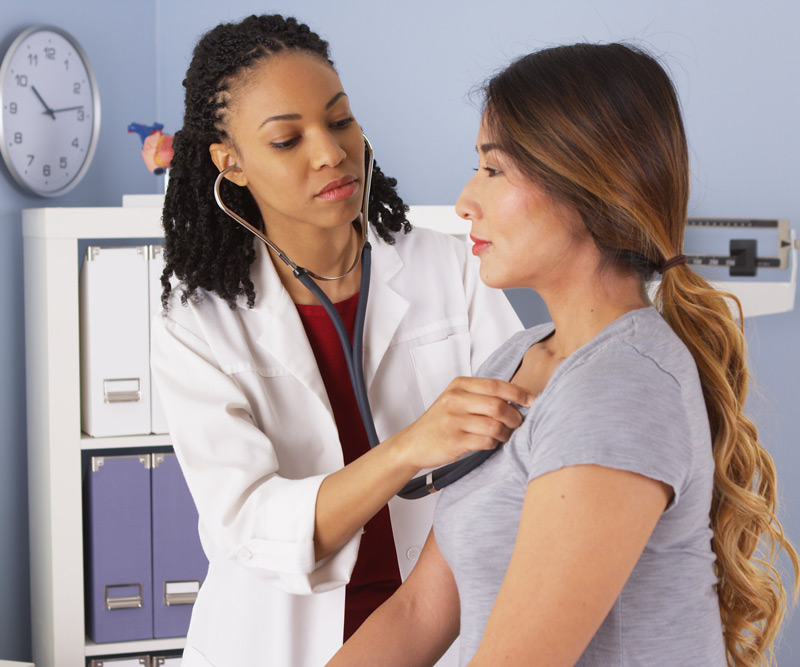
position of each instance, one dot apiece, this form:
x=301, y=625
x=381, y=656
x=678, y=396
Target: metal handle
x=180, y=592
x=123, y=601
x=122, y=390
x=123, y=396
x=173, y=599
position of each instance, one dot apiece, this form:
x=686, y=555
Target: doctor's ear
x=222, y=157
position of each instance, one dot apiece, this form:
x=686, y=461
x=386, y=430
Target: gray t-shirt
x=629, y=399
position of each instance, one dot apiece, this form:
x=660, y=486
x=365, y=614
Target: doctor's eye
x=284, y=144
x=340, y=124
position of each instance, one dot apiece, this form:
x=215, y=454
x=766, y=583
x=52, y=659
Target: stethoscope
x=421, y=486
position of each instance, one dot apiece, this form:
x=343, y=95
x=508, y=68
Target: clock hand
x=47, y=109
x=66, y=109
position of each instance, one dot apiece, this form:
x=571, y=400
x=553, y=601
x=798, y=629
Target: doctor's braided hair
x=599, y=127
x=204, y=248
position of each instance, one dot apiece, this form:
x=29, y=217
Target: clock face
x=50, y=111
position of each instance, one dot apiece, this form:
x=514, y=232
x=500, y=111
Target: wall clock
x=50, y=111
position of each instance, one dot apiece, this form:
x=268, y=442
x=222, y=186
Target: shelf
x=92, y=223
x=121, y=442
x=142, y=219
x=51, y=239
x=140, y=646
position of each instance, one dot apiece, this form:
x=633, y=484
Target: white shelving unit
x=52, y=237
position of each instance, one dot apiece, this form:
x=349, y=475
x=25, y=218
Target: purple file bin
x=119, y=605
x=179, y=564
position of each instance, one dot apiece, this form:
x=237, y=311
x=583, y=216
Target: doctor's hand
x=471, y=414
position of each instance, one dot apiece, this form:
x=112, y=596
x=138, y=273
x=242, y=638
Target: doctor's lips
x=480, y=245
x=338, y=190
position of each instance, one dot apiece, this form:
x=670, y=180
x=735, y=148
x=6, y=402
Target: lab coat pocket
x=436, y=364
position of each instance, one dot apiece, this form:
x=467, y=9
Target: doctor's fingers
x=481, y=432
x=461, y=404
x=508, y=392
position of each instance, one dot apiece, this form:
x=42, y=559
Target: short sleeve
x=618, y=409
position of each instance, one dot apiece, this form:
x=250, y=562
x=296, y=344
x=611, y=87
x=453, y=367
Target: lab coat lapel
x=282, y=333
x=386, y=307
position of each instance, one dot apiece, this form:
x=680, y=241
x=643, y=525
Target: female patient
x=587, y=538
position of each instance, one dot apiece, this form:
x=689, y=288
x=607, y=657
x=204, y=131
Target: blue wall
x=407, y=68
x=120, y=43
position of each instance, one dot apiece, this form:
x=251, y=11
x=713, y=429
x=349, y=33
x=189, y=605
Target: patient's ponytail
x=747, y=533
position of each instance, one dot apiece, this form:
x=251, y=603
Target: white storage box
x=115, y=342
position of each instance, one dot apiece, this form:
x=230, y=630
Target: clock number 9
x=12, y=108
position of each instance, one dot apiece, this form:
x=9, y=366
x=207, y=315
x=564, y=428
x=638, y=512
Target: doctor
x=293, y=504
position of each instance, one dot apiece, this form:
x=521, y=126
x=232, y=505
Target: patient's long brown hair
x=599, y=127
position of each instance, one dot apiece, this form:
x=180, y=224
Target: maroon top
x=376, y=574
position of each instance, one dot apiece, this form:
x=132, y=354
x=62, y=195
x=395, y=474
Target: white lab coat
x=253, y=429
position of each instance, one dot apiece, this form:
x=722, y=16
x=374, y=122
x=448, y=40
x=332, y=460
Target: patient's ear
x=223, y=157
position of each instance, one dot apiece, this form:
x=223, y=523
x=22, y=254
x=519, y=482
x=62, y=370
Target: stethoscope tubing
x=353, y=353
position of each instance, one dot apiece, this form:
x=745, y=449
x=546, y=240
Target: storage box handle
x=180, y=592
x=122, y=390
x=116, y=598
